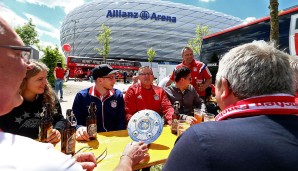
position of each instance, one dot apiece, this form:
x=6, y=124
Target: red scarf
x=281, y=104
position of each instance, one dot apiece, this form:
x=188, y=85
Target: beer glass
x=198, y=115
x=182, y=126
x=209, y=117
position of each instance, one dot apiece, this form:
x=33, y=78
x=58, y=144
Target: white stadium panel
x=138, y=25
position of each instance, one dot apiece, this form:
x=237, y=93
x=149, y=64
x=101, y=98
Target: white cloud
x=45, y=44
x=11, y=17
x=249, y=19
x=67, y=5
x=207, y=1
x=44, y=28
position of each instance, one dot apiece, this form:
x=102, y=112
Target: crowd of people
x=253, y=99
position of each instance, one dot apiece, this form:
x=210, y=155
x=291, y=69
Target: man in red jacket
x=200, y=74
x=145, y=95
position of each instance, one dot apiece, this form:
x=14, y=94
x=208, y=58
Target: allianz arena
x=138, y=25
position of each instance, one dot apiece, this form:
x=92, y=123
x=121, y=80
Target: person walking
x=59, y=79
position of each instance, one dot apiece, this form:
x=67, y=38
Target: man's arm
x=208, y=78
x=171, y=80
x=207, y=83
x=121, y=123
x=77, y=107
x=198, y=101
x=169, y=83
x=133, y=153
x=167, y=108
x=130, y=103
x=86, y=159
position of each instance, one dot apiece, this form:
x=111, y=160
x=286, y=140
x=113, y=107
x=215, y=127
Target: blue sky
x=48, y=15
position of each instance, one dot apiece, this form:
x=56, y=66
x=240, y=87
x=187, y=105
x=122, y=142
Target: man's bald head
x=12, y=68
x=7, y=34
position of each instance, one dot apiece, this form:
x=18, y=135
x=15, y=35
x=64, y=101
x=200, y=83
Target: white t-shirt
x=163, y=82
x=24, y=154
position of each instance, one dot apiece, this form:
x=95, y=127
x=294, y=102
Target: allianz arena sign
x=145, y=15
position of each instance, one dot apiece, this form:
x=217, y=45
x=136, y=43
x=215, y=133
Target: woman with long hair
x=25, y=119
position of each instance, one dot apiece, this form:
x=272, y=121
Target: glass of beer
x=209, y=117
x=198, y=115
x=182, y=126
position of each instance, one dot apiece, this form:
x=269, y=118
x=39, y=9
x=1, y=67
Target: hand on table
x=81, y=134
x=54, y=137
x=87, y=160
x=191, y=120
x=136, y=151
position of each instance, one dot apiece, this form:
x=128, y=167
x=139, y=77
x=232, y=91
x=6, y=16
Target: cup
x=198, y=115
x=209, y=117
x=182, y=126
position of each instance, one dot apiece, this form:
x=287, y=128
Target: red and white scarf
x=281, y=104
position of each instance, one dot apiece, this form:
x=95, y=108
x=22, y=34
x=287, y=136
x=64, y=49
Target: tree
x=196, y=43
x=50, y=58
x=274, y=24
x=28, y=33
x=104, y=39
x=151, y=54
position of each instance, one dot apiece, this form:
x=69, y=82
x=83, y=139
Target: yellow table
x=115, y=141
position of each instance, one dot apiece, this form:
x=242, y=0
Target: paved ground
x=71, y=88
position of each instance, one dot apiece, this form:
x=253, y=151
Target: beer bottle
x=68, y=135
x=91, y=121
x=45, y=126
x=175, y=117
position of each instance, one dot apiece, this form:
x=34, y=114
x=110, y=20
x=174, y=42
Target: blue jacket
x=110, y=112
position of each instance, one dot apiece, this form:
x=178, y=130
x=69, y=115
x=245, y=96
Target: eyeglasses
x=110, y=77
x=148, y=74
x=25, y=51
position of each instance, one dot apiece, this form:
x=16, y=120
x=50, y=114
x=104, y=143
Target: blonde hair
x=49, y=94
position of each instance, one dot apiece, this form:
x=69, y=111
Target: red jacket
x=199, y=73
x=138, y=98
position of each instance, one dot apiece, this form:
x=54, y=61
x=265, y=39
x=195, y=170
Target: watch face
x=145, y=125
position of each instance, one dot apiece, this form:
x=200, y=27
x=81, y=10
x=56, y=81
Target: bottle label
x=70, y=144
x=92, y=130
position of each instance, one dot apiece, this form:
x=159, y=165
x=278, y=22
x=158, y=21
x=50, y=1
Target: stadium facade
x=138, y=25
